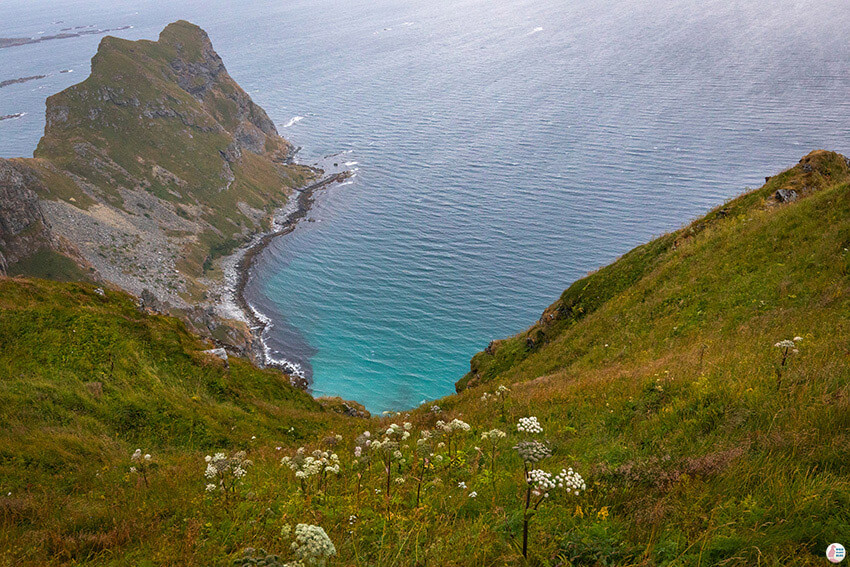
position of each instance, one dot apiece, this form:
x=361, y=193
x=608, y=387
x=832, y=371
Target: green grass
x=656, y=378
x=47, y=263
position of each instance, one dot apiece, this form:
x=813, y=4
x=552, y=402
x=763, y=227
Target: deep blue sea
x=503, y=148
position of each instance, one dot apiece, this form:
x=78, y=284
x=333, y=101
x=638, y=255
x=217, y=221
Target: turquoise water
x=502, y=149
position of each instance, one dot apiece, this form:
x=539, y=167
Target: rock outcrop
x=24, y=230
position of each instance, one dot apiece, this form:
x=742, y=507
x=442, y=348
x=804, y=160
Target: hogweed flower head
x=312, y=545
x=304, y=466
x=542, y=482
x=452, y=426
x=529, y=425
x=226, y=471
x=493, y=435
x=532, y=452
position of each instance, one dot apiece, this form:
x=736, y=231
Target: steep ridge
x=814, y=172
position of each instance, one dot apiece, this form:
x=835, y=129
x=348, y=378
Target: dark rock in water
x=766, y=179
x=786, y=195
x=20, y=80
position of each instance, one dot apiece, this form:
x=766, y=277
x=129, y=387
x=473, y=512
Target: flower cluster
x=529, y=425
x=452, y=426
x=493, y=435
x=789, y=344
x=226, y=472
x=436, y=409
x=137, y=456
x=312, y=545
x=317, y=464
x=532, y=451
x=542, y=482
x=141, y=464
x=398, y=432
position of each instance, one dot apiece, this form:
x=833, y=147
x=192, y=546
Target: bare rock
x=785, y=195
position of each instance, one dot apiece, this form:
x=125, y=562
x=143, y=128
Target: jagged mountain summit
x=149, y=170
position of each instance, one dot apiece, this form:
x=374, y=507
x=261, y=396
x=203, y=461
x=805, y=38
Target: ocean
x=502, y=148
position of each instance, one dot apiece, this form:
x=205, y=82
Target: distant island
x=66, y=34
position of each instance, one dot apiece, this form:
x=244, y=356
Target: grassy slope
x=86, y=378
x=657, y=381
x=662, y=378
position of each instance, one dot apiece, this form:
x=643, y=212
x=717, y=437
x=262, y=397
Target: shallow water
x=503, y=149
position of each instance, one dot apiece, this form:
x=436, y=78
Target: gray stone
x=785, y=195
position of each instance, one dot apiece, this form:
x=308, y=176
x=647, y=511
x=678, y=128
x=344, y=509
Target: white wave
x=534, y=31
x=294, y=120
x=407, y=24
x=350, y=163
x=344, y=183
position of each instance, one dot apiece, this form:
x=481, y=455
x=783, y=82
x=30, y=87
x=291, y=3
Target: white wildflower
x=532, y=451
x=543, y=483
x=312, y=545
x=493, y=435
x=529, y=425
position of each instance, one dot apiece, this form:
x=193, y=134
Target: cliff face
x=153, y=167
x=24, y=230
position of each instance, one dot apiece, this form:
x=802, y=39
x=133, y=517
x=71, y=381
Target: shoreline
x=257, y=325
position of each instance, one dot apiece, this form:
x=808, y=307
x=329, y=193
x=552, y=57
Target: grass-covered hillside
x=648, y=419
